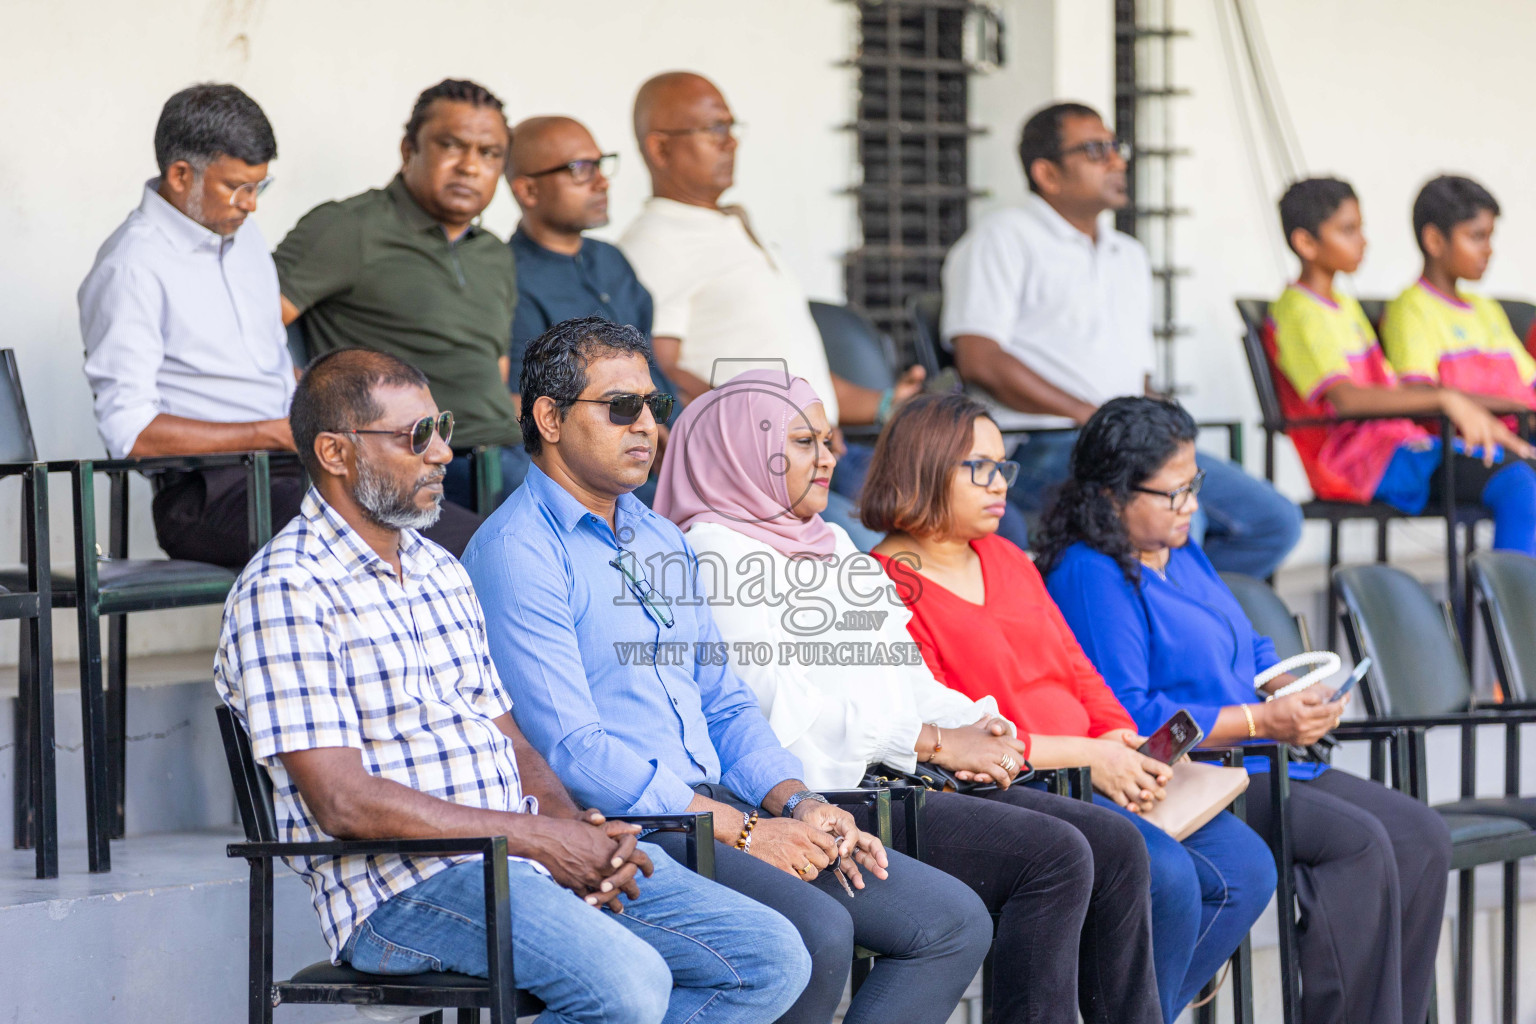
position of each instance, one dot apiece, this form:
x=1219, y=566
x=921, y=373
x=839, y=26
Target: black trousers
x=202, y=516
x=1073, y=890
x=932, y=932
x=1371, y=874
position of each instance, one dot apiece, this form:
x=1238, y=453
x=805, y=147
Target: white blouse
x=825, y=647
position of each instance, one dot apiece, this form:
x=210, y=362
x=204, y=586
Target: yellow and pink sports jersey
x=1316, y=342
x=1461, y=341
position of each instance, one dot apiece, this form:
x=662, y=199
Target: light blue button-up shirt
x=177, y=319
x=625, y=731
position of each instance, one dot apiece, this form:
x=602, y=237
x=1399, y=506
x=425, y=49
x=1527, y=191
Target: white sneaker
x=392, y=1013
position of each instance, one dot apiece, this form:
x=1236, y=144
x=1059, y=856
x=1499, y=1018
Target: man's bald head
x=559, y=204
x=687, y=136
x=663, y=98
x=542, y=142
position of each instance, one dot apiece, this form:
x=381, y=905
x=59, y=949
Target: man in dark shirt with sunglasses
x=559, y=177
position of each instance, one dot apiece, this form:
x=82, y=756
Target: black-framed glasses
x=654, y=604
x=419, y=432
x=1099, y=150
x=984, y=471
x=1179, y=496
x=625, y=409
x=583, y=171
x=719, y=131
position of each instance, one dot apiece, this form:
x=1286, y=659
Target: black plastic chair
x=1521, y=316
x=858, y=352
x=931, y=354
x=327, y=983
x=1504, y=583
x=111, y=586
x=1335, y=513
x=1419, y=681
x=1270, y=617
x=26, y=599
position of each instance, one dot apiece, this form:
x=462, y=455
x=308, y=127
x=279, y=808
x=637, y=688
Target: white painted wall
x=82, y=82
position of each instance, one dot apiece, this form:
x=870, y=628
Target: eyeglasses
x=719, y=131
x=984, y=471
x=654, y=604
x=420, y=432
x=625, y=409
x=1098, y=150
x=1179, y=496
x=583, y=171
x=251, y=189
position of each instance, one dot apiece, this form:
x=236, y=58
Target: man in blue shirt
x=632, y=700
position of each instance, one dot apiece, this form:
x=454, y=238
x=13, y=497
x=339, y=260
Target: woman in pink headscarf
x=815, y=629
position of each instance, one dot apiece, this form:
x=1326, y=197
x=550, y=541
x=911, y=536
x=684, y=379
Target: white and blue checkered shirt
x=323, y=646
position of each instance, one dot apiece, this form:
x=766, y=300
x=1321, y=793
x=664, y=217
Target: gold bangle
x=1252, y=730
x=938, y=740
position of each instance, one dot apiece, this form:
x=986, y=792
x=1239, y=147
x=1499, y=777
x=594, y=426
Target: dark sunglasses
x=420, y=432
x=984, y=471
x=625, y=409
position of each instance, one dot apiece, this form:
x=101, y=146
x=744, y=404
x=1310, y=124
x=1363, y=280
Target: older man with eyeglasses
x=559, y=176
x=184, y=347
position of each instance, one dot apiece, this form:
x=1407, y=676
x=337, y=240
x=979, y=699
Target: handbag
x=1197, y=793
x=929, y=776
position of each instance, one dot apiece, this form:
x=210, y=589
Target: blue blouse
x=1165, y=644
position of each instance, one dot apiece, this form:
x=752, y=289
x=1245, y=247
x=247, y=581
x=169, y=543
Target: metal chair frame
x=468, y=995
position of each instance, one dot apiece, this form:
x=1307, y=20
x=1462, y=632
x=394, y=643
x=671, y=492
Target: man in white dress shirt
x=724, y=303
x=185, y=349
x=1048, y=312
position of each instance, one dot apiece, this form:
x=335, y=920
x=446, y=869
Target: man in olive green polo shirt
x=406, y=270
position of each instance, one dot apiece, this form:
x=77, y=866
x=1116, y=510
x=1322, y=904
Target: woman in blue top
x=1166, y=633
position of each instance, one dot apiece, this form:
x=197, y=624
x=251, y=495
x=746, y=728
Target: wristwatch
x=795, y=799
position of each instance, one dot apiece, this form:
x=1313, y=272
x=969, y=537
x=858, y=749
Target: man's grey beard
x=392, y=507
x=195, y=198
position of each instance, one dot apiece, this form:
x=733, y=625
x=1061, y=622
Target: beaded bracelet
x=748, y=823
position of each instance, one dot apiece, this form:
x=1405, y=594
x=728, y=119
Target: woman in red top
x=937, y=486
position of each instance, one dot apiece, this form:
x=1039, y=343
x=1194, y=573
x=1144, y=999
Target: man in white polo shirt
x=1048, y=312
x=722, y=299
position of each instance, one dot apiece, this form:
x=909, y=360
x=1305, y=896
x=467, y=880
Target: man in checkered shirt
x=354, y=651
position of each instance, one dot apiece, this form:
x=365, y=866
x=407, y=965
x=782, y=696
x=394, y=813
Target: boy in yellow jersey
x=1330, y=365
x=1433, y=333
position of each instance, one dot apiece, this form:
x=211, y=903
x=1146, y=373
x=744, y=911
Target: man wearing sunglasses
x=184, y=349
x=1048, y=311
x=409, y=270
x=559, y=177
x=354, y=653
x=631, y=699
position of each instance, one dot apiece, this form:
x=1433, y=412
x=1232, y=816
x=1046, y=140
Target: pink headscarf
x=721, y=459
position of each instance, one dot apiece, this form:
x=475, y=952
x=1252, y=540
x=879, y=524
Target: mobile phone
x=1173, y=739
x=1358, y=674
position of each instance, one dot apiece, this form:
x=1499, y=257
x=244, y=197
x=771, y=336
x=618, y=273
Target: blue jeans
x=1244, y=524
x=686, y=950
x=457, y=487
x=1206, y=893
